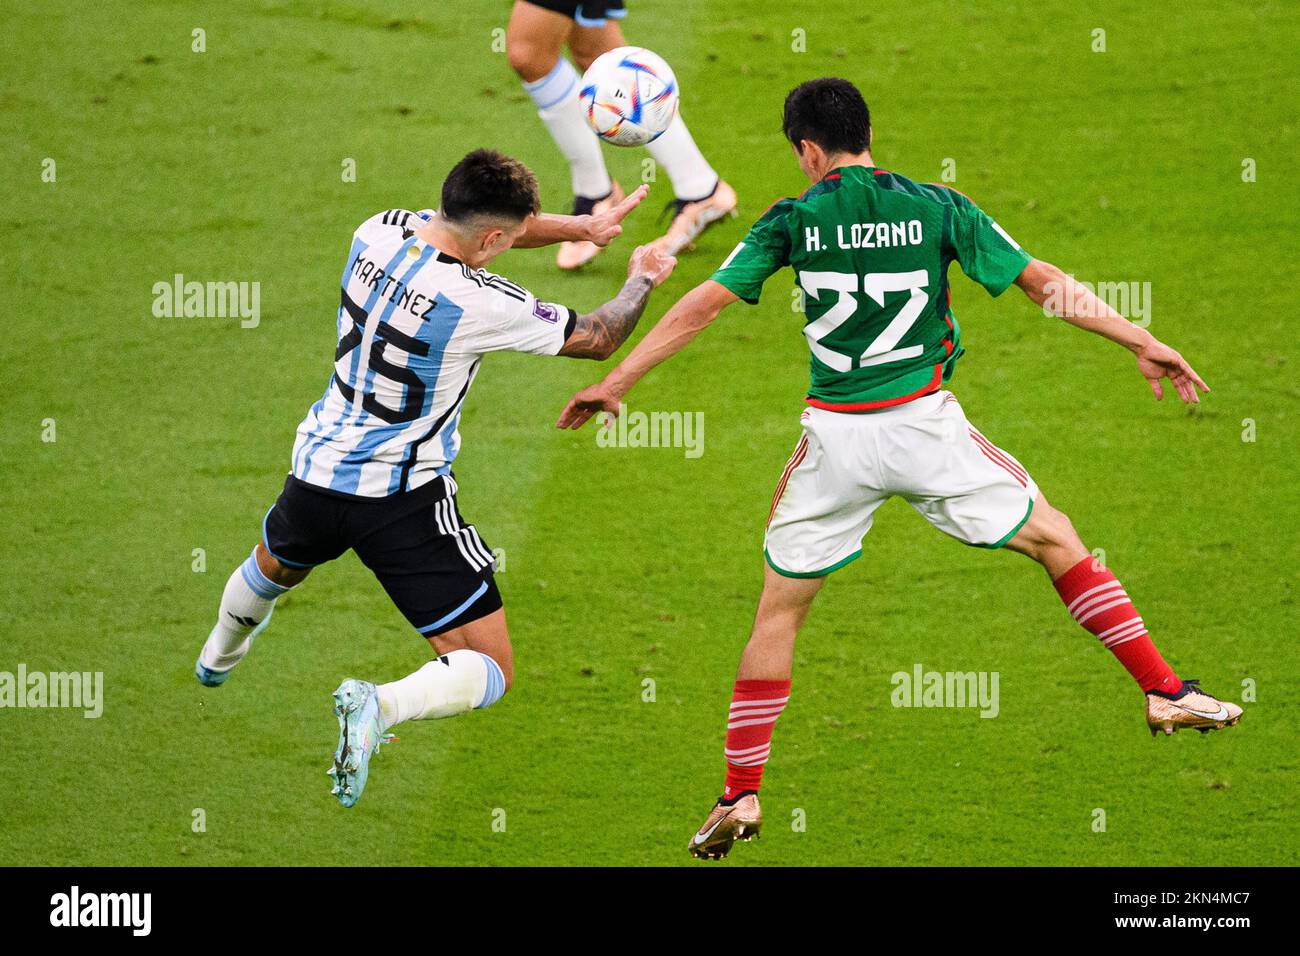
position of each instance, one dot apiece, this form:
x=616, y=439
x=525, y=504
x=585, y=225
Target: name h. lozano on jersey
x=868, y=235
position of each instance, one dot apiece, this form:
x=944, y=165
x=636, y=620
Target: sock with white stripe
x=755, y=706
x=692, y=176
x=1099, y=603
x=447, y=686
x=556, y=96
x=248, y=600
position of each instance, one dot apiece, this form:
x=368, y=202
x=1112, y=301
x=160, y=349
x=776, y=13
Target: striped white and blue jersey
x=413, y=325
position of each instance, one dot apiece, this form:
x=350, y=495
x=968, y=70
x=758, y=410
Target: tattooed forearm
x=598, y=335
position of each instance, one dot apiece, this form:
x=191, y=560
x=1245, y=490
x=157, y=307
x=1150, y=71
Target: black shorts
x=585, y=13
x=436, y=568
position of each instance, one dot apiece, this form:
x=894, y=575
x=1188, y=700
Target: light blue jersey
x=413, y=325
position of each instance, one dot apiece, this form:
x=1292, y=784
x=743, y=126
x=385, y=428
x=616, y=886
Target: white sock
x=247, y=601
x=556, y=96
x=447, y=686
x=676, y=152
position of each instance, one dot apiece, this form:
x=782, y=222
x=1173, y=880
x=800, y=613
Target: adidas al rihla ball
x=629, y=96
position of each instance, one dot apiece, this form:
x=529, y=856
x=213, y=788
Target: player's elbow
x=597, y=351
x=587, y=349
x=1039, y=279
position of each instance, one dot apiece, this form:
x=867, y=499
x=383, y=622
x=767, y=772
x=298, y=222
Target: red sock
x=755, y=706
x=1099, y=603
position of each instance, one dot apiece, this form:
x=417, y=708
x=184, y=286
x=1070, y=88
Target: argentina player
x=372, y=464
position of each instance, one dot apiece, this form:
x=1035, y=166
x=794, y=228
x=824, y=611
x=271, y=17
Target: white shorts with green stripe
x=847, y=465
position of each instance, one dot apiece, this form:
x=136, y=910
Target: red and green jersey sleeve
x=764, y=251
x=983, y=249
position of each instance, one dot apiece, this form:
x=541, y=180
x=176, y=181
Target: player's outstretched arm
x=546, y=228
x=693, y=313
x=598, y=335
x=1068, y=299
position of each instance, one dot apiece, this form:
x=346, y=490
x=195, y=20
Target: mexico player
x=535, y=38
x=871, y=251
x=372, y=464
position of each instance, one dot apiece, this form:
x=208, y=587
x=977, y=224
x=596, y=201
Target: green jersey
x=870, y=250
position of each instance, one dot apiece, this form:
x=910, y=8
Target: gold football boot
x=1192, y=708
x=727, y=823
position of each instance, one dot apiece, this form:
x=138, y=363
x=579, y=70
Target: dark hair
x=486, y=183
x=829, y=112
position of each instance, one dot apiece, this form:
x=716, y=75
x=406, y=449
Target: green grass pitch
x=624, y=565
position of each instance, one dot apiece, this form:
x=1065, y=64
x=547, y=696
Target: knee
x=504, y=666
x=531, y=61
x=276, y=572
x=1048, y=534
x=1057, y=531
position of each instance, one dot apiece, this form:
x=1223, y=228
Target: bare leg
x=487, y=635
x=535, y=38
x=281, y=574
x=1050, y=539
x=1094, y=597
x=474, y=668
x=587, y=43
x=785, y=603
x=761, y=691
x=763, y=679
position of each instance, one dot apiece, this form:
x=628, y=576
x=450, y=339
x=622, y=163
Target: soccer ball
x=629, y=96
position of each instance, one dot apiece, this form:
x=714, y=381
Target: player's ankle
x=732, y=801
x=1174, y=690
x=686, y=200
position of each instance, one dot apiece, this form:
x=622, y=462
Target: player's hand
x=1157, y=361
x=605, y=226
x=597, y=398
x=651, y=262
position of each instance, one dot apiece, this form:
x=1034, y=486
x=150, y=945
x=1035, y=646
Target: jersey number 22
x=875, y=284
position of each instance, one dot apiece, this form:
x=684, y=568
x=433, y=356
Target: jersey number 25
x=385, y=336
